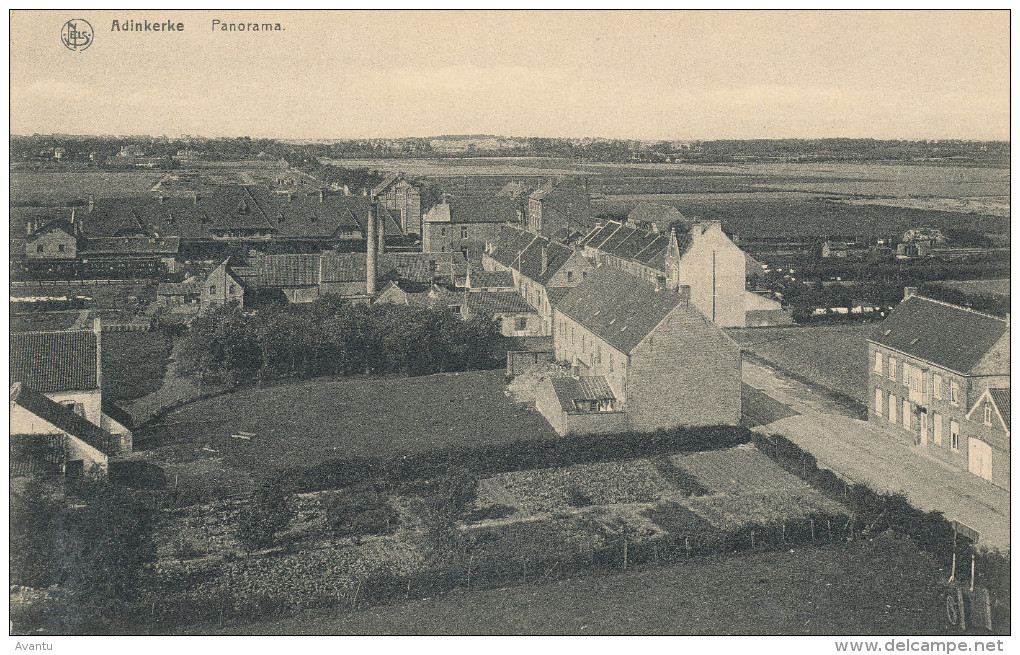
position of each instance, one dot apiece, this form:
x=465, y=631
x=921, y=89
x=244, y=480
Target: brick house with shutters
x=638, y=356
x=929, y=364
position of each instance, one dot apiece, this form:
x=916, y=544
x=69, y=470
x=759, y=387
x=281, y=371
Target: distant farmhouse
x=60, y=422
x=638, y=356
x=939, y=374
x=695, y=254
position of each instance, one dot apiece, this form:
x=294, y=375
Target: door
x=980, y=463
x=924, y=427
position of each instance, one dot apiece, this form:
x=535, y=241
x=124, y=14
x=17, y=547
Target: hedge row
x=876, y=512
x=516, y=455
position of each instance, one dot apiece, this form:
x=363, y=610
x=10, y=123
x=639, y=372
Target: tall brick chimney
x=370, y=249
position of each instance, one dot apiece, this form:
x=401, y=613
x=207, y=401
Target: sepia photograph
x=690, y=323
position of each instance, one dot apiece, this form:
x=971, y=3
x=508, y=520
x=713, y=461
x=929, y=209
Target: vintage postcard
x=511, y=323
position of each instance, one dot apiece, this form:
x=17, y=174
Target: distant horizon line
x=503, y=136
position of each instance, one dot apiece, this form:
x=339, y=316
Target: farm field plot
x=68, y=185
x=765, y=215
x=540, y=524
x=979, y=287
x=306, y=423
x=833, y=356
x=728, y=488
x=881, y=586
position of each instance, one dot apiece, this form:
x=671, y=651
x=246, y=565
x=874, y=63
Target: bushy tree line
x=335, y=337
x=88, y=544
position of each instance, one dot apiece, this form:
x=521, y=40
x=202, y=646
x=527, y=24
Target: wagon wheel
x=952, y=609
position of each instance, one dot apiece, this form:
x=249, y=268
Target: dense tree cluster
x=335, y=337
x=88, y=543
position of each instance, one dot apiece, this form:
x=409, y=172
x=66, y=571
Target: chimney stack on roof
x=370, y=248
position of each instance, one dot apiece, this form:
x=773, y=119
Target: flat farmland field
x=834, y=356
x=63, y=186
x=979, y=287
x=307, y=423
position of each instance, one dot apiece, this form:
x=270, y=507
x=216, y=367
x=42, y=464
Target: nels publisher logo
x=76, y=34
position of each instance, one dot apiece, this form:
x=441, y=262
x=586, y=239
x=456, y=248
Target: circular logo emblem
x=76, y=34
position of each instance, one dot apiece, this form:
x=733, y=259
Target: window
x=212, y=288
x=892, y=368
x=906, y=414
x=936, y=386
x=584, y=275
x=60, y=248
x=954, y=392
x=442, y=231
x=892, y=408
x=954, y=435
x=463, y=232
x=988, y=414
x=570, y=276
x=878, y=401
x=936, y=424
x=233, y=289
x=522, y=323
x=878, y=363
x=39, y=248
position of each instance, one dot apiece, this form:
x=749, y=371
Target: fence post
x=687, y=543
x=812, y=531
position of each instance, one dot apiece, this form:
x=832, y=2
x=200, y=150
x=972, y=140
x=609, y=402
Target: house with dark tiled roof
x=698, y=255
x=242, y=214
x=55, y=240
x=479, y=279
x=50, y=438
x=65, y=368
x=638, y=356
x=540, y=267
x=513, y=316
x=559, y=210
x=465, y=223
x=221, y=287
x=930, y=365
x=305, y=277
x=403, y=199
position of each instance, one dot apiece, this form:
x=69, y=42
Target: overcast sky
x=641, y=75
